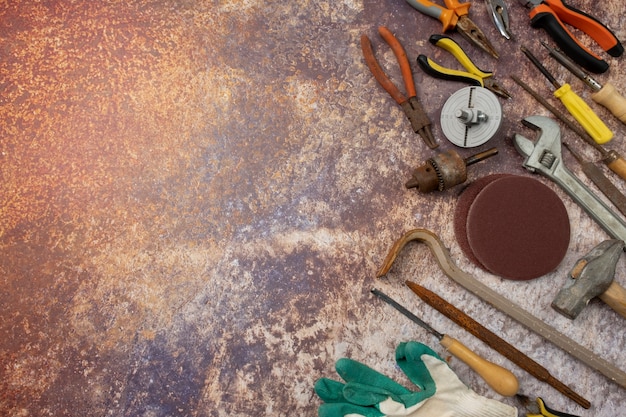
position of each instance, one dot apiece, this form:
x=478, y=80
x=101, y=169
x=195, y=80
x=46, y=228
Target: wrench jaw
x=525, y=147
x=543, y=155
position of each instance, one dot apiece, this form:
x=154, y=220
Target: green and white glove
x=368, y=393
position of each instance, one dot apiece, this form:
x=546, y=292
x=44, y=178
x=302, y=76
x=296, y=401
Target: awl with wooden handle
x=500, y=379
x=495, y=342
x=605, y=95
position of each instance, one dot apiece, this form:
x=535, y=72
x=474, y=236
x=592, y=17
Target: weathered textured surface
x=195, y=197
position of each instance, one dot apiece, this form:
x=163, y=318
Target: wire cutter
x=455, y=16
x=500, y=17
x=550, y=15
x=410, y=105
x=540, y=409
x=473, y=76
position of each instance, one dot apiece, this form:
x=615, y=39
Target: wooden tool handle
x=615, y=297
x=617, y=164
x=500, y=379
x=610, y=98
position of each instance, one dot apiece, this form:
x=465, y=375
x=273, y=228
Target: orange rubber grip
x=461, y=9
x=588, y=24
x=545, y=17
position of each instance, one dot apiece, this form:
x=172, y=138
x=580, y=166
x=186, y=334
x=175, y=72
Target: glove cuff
x=471, y=404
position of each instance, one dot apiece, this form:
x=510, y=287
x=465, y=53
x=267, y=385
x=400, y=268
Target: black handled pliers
x=551, y=16
x=473, y=75
x=410, y=105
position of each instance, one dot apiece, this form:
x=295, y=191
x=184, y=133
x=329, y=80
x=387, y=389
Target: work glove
x=367, y=393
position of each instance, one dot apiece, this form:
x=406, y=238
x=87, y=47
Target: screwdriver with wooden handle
x=574, y=104
x=605, y=95
x=501, y=380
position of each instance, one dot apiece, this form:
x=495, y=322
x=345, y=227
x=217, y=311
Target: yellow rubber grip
x=610, y=98
x=583, y=113
x=452, y=74
x=449, y=45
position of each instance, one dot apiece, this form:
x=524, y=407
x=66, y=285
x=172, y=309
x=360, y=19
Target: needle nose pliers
x=500, y=16
x=473, y=76
x=410, y=105
x=550, y=15
x=455, y=16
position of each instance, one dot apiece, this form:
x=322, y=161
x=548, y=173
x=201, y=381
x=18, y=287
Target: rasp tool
x=605, y=185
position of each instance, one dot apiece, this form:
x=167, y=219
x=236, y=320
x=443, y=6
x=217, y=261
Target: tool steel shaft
x=495, y=342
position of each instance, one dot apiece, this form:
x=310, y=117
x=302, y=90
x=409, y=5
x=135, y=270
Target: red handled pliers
x=410, y=105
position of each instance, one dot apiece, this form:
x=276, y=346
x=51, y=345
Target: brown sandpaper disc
x=462, y=209
x=518, y=228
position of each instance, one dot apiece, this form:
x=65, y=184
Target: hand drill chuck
x=445, y=170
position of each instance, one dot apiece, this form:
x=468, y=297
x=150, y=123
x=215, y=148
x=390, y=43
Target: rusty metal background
x=195, y=197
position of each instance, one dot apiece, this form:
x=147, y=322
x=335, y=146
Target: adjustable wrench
x=544, y=157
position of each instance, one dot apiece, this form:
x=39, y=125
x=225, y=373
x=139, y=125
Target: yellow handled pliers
x=473, y=75
x=540, y=409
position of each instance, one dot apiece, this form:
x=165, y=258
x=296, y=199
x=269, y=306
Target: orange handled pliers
x=410, y=105
x=455, y=16
x=551, y=16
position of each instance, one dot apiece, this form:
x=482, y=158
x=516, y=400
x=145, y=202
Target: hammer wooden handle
x=615, y=297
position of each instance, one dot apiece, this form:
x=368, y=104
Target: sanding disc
x=463, y=205
x=518, y=228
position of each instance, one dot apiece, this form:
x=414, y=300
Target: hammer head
x=591, y=276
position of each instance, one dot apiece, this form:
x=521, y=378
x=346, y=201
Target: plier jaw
x=419, y=120
x=500, y=17
x=455, y=16
x=470, y=31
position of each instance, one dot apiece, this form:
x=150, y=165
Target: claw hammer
x=593, y=276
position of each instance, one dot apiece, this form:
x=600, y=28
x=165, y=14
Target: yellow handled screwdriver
x=605, y=95
x=575, y=105
x=500, y=379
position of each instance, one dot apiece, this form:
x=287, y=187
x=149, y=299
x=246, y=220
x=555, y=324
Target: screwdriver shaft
x=500, y=379
x=574, y=104
x=540, y=67
x=564, y=60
